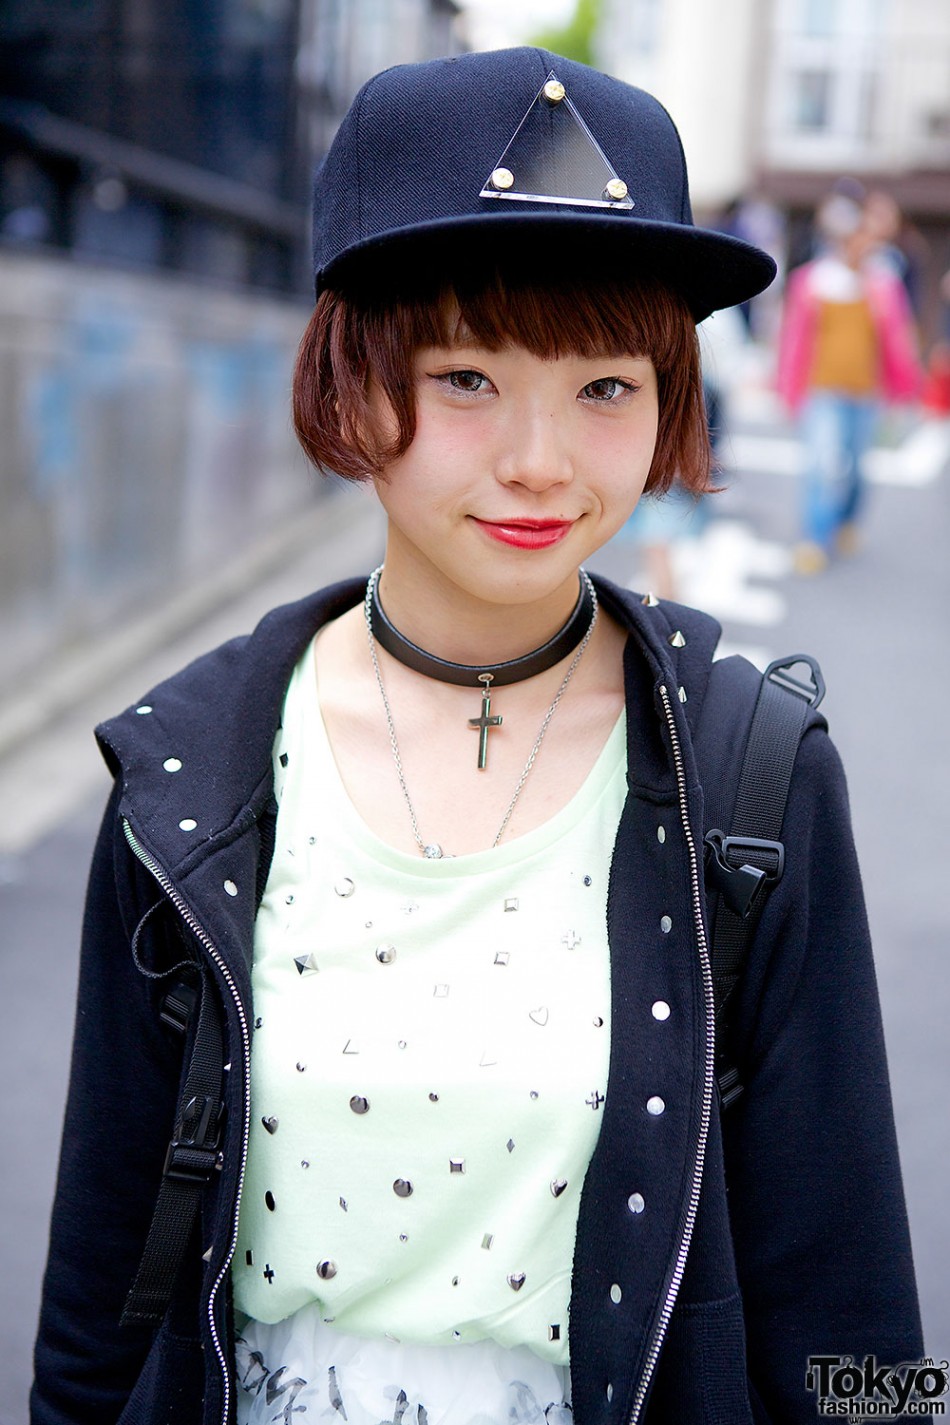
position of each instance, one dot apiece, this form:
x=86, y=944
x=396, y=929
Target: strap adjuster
x=730, y=1087
x=178, y=1006
x=730, y=863
x=779, y=672
x=193, y=1152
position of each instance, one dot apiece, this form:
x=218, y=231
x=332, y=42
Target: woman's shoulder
x=662, y=624
x=242, y=673
x=210, y=727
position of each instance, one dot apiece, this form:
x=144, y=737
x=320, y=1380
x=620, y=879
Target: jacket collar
x=194, y=756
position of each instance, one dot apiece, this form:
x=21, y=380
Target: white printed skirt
x=300, y=1371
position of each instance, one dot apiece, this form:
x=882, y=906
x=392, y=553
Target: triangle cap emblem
x=552, y=157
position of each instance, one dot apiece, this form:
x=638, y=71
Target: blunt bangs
x=353, y=342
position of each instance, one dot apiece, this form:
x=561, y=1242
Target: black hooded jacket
x=742, y=1246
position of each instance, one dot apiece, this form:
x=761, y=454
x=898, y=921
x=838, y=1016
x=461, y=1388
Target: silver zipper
x=184, y=910
x=709, y=1074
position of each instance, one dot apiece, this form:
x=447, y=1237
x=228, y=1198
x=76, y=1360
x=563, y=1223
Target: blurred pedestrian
x=664, y=522
x=757, y=220
x=847, y=343
x=936, y=397
x=896, y=243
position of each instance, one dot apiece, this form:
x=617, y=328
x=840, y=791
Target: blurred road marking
x=756, y=653
x=716, y=571
x=918, y=461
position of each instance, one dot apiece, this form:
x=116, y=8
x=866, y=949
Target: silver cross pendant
x=484, y=721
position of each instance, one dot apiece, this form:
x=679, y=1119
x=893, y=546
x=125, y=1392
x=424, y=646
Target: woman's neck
x=454, y=623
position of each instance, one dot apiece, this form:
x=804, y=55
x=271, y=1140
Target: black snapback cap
x=516, y=155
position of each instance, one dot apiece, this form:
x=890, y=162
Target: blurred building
x=155, y=276
x=159, y=135
x=860, y=87
x=781, y=98
x=344, y=42
x=181, y=134
x=703, y=62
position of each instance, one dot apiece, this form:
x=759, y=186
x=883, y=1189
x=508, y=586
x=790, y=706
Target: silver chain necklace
x=431, y=849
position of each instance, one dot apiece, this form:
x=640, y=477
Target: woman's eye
x=471, y=382
x=607, y=388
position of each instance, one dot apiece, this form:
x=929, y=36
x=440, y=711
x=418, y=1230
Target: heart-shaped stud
x=539, y=1015
x=270, y=1123
x=558, y=1186
x=516, y=1280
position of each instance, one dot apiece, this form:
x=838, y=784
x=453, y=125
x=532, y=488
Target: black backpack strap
x=192, y=1156
x=743, y=866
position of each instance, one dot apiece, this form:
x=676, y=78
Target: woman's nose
x=534, y=451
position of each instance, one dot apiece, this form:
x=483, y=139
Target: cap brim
x=711, y=270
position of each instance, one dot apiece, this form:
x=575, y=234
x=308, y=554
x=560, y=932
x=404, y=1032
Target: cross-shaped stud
x=595, y=1100
x=269, y=1273
x=571, y=940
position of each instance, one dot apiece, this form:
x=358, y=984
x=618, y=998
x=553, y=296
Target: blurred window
x=379, y=34
x=108, y=222
x=869, y=97
x=27, y=199
x=820, y=17
x=876, y=14
x=644, y=19
x=255, y=22
x=210, y=249
x=811, y=99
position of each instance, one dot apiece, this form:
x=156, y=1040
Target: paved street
x=878, y=625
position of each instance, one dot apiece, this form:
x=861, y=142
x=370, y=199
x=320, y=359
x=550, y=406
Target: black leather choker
x=469, y=675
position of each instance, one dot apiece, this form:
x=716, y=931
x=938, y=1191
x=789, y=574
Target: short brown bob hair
x=354, y=340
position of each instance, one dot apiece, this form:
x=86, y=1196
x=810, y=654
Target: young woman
x=430, y=845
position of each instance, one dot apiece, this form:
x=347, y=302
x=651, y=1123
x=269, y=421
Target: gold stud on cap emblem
x=554, y=91
x=616, y=189
x=503, y=179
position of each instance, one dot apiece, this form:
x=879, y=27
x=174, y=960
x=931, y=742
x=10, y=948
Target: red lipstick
x=527, y=534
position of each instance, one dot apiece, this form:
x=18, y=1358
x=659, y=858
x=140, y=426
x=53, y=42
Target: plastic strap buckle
x=178, y=1007
x=730, y=1087
x=779, y=672
x=731, y=869
x=193, y=1152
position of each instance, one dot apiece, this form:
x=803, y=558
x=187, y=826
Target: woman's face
x=520, y=468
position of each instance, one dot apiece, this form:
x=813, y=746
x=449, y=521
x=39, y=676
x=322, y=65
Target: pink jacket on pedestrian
x=899, y=375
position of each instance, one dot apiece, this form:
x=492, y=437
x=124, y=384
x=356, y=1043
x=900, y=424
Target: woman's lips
x=527, y=534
